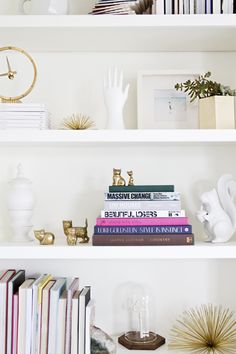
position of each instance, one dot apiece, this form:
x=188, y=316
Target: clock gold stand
x=16, y=99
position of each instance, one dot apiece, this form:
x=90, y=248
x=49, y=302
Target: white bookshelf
x=71, y=169
x=70, y=137
x=88, y=252
x=121, y=33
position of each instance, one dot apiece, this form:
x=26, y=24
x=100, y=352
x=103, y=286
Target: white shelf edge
x=88, y=252
x=62, y=137
x=145, y=33
x=79, y=21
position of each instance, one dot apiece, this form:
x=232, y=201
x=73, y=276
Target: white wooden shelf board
x=70, y=137
x=120, y=33
x=35, y=251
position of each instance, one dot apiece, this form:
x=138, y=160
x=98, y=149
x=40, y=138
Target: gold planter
x=216, y=112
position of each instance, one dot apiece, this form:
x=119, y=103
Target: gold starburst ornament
x=78, y=122
x=206, y=329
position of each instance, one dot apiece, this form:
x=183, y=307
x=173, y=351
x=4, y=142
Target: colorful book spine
x=124, y=230
x=142, y=213
x=142, y=205
x=167, y=196
x=141, y=221
x=142, y=188
x=143, y=240
x=157, y=196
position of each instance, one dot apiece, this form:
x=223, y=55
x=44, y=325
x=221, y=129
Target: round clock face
x=17, y=73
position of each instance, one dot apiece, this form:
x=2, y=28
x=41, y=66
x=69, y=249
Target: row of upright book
x=44, y=314
x=142, y=215
x=23, y=116
x=187, y=7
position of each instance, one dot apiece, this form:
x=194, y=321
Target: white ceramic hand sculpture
x=115, y=98
x=218, y=211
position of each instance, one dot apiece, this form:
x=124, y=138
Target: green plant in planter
x=204, y=87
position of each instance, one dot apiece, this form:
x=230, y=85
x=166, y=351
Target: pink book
x=141, y=221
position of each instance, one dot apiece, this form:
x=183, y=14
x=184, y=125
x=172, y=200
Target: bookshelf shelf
x=144, y=33
x=63, y=137
x=88, y=252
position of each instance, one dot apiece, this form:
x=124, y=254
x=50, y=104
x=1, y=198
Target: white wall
x=10, y=7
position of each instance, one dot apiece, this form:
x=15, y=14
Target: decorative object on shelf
x=44, y=237
x=139, y=336
x=205, y=329
x=78, y=121
x=74, y=232
x=117, y=179
x=115, y=98
x=142, y=7
x=160, y=106
x=43, y=7
x=123, y=8
x=24, y=115
x=216, y=101
x=20, y=203
x=101, y=342
x=218, y=211
x=21, y=81
x=131, y=178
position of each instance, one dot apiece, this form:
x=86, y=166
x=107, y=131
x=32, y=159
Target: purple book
x=149, y=229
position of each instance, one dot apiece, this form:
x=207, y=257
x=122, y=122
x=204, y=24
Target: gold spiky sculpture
x=206, y=329
x=78, y=122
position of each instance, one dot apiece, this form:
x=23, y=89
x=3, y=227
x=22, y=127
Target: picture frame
x=160, y=105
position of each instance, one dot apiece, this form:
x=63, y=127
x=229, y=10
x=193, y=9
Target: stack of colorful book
x=142, y=215
x=44, y=314
x=23, y=116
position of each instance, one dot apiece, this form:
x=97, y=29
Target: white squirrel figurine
x=218, y=211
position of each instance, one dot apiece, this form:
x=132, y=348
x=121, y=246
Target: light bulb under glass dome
x=139, y=335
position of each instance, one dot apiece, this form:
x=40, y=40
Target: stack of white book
x=44, y=315
x=23, y=116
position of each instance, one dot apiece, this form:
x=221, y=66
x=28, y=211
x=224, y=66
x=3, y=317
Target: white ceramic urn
x=20, y=202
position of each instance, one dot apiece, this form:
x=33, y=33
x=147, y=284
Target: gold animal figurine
x=131, y=178
x=74, y=232
x=44, y=237
x=117, y=180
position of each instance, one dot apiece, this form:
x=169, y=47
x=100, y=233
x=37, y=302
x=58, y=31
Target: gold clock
x=18, y=74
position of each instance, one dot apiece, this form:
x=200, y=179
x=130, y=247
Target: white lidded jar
x=20, y=202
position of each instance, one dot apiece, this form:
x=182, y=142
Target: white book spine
x=191, y=7
x=9, y=317
x=160, y=7
x=216, y=7
x=81, y=325
x=61, y=324
x=142, y=213
x=15, y=324
x=73, y=287
x=53, y=316
x=168, y=7
x=181, y=7
x=21, y=323
x=74, y=325
x=28, y=321
x=90, y=315
x=142, y=205
x=2, y=317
